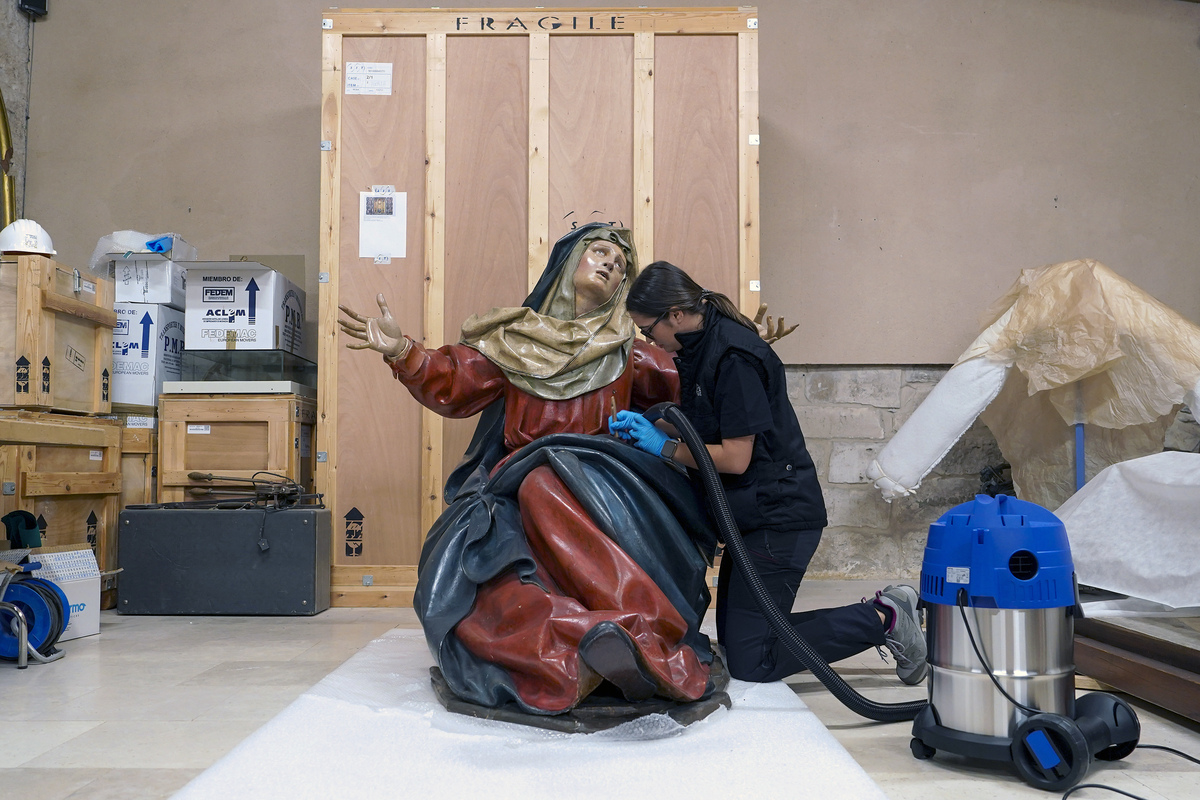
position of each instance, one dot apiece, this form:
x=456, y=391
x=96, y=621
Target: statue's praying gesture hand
x=770, y=332
x=381, y=334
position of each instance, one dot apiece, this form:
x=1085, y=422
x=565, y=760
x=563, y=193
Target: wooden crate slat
x=38, y=484
x=525, y=21
x=69, y=305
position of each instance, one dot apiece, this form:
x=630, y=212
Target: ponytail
x=662, y=286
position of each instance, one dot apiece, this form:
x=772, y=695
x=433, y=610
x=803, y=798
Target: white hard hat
x=26, y=236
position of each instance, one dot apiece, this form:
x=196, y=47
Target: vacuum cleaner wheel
x=1051, y=752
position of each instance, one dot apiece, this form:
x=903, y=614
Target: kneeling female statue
x=566, y=558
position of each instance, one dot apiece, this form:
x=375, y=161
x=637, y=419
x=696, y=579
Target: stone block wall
x=848, y=414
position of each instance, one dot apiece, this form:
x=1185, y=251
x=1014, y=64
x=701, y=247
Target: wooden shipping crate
x=236, y=436
x=504, y=128
x=56, y=332
x=66, y=471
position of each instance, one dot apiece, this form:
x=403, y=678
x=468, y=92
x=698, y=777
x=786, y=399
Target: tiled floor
x=139, y=710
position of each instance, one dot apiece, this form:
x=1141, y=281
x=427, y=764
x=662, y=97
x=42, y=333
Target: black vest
x=779, y=490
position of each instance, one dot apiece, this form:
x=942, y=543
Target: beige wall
x=916, y=153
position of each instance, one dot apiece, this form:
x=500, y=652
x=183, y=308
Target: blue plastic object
x=1005, y=552
x=1039, y=744
x=162, y=244
x=37, y=614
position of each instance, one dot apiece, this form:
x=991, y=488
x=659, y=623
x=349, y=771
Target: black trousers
x=752, y=651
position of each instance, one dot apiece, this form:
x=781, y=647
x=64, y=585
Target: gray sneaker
x=905, y=639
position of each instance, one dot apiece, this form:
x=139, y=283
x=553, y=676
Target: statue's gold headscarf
x=551, y=353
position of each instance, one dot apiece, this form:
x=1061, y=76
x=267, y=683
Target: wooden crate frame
x=649, y=29
x=30, y=437
x=139, y=466
x=59, y=337
x=283, y=415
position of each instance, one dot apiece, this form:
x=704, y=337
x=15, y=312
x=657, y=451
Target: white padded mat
x=373, y=729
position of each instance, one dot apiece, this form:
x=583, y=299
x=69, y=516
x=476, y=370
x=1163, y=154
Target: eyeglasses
x=647, y=329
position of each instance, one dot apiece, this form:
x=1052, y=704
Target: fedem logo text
x=218, y=294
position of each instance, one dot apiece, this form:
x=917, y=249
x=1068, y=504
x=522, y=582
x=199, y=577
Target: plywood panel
x=696, y=157
x=378, y=469
x=487, y=121
x=591, y=131
x=514, y=139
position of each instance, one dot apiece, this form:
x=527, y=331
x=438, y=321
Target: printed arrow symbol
x=146, y=322
x=252, y=290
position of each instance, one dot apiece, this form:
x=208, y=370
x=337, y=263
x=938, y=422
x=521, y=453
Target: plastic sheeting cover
x=1133, y=529
x=1088, y=346
x=373, y=728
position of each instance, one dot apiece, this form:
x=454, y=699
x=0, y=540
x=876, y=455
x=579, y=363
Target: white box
x=149, y=278
x=76, y=573
x=148, y=344
x=242, y=305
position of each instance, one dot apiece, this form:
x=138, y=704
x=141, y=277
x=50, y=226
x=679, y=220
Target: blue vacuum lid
x=1005, y=552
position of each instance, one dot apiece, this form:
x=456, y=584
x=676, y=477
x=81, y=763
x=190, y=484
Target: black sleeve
x=741, y=404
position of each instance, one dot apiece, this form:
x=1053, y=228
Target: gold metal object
x=8, y=193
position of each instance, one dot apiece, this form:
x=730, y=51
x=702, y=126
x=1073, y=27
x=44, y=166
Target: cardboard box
x=147, y=349
x=243, y=306
x=149, y=278
x=76, y=573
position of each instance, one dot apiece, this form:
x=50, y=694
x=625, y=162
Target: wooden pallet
x=1158, y=671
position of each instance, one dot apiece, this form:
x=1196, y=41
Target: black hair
x=662, y=286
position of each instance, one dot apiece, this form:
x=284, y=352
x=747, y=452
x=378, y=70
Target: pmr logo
x=218, y=294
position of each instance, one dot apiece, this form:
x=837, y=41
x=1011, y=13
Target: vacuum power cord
x=801, y=650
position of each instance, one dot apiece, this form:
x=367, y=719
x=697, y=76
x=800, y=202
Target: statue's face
x=600, y=272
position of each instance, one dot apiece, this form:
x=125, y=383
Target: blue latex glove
x=631, y=426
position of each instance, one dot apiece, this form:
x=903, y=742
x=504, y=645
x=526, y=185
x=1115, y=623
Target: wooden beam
x=325, y=475
x=550, y=21
x=432, y=428
x=77, y=308
x=43, y=431
x=539, y=155
x=748, y=175
x=40, y=484
x=643, y=146
x=1159, y=671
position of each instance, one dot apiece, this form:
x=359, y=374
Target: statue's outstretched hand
x=770, y=332
x=381, y=334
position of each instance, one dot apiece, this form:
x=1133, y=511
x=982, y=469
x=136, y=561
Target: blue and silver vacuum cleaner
x=999, y=589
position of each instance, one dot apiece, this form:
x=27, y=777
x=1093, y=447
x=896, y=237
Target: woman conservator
x=733, y=390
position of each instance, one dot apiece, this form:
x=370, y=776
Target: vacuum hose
x=801, y=650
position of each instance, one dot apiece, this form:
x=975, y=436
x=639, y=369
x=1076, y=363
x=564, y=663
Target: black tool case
x=224, y=561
